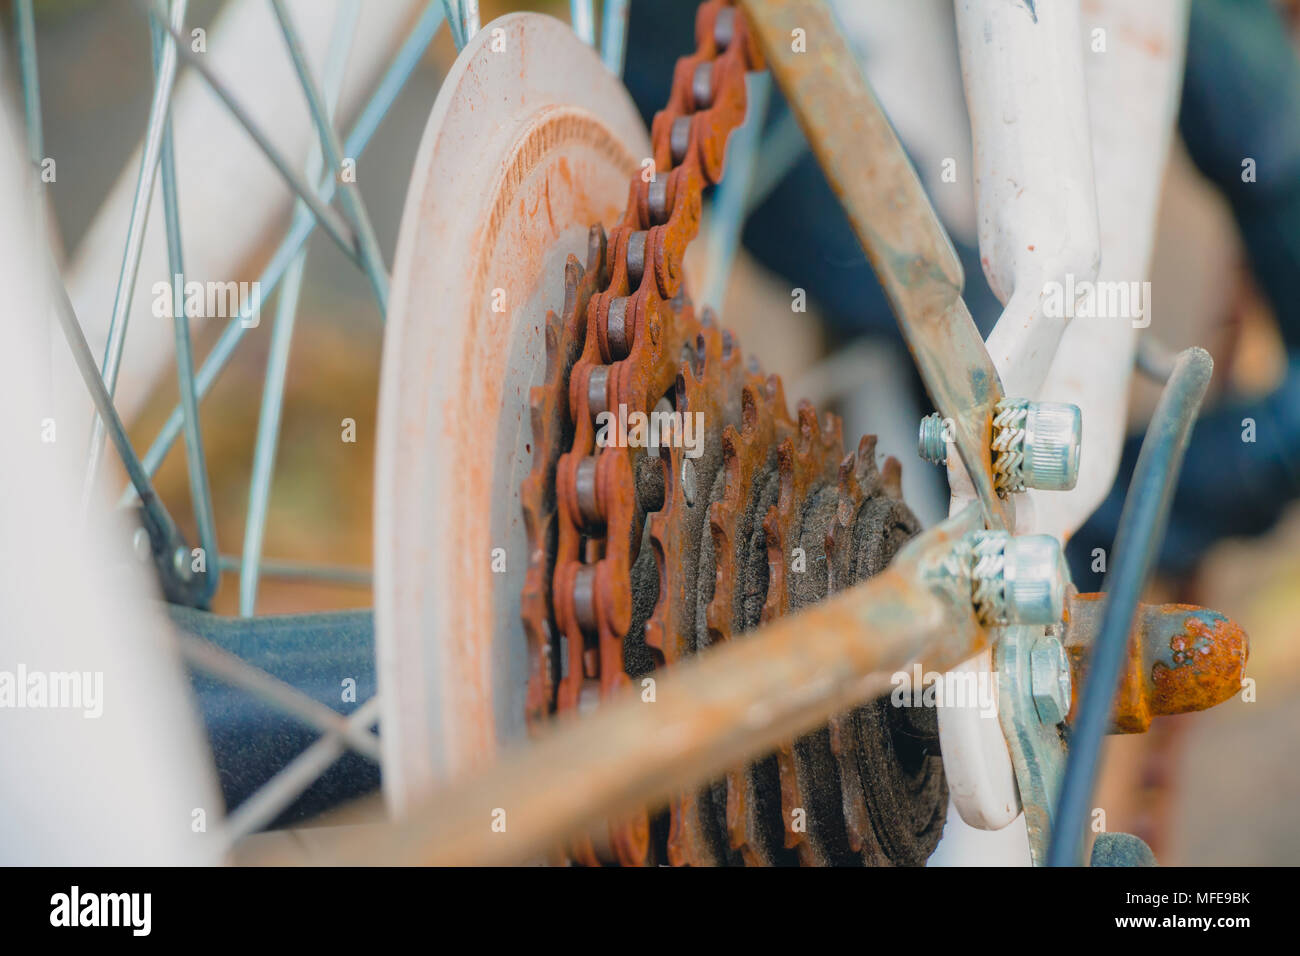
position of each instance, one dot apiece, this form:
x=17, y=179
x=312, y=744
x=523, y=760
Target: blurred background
x=1218, y=787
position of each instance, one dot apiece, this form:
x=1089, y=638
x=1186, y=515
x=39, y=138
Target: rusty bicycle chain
x=722, y=528
x=630, y=360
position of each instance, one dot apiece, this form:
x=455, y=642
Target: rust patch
x=1181, y=659
x=1207, y=661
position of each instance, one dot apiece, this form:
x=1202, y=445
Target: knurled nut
x=1012, y=579
x=987, y=563
x=1008, y=445
x=1035, y=445
x=1052, y=434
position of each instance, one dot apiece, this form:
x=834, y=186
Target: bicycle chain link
x=724, y=529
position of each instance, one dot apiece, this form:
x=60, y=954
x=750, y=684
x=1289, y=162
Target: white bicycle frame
x=1059, y=102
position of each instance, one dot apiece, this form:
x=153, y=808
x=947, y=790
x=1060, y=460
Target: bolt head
x=1053, y=431
x=1049, y=675
x=1035, y=577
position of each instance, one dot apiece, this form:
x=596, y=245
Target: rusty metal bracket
x=894, y=220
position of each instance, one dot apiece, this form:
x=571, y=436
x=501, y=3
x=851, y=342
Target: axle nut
x=1035, y=575
x=1049, y=677
x=1053, y=431
x=1014, y=580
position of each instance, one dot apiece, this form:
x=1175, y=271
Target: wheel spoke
x=372, y=261
x=613, y=26
x=463, y=19
x=200, y=491
x=277, y=361
x=27, y=62
x=228, y=668
x=94, y=382
x=159, y=109
x=264, y=805
x=451, y=10
x=301, y=228
x=31, y=80
x=274, y=568
x=334, y=224
x=729, y=206
x=783, y=146
x=469, y=12
x=583, y=17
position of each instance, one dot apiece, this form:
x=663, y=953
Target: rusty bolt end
x=1197, y=658
x=1181, y=658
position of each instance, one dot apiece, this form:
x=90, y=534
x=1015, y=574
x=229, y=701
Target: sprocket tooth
x=551, y=336
x=857, y=817
x=774, y=390
x=786, y=460
x=846, y=475
x=891, y=478
x=738, y=818
x=573, y=273
x=730, y=446
x=718, y=525
x=718, y=613
x=749, y=412
x=792, y=803
x=851, y=492
x=597, y=248
x=730, y=347
x=810, y=429
x=775, y=604
x=866, y=450
x=832, y=431
x=631, y=840
x=687, y=844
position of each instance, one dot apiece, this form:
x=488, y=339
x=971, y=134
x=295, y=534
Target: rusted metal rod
x=894, y=221
x=731, y=704
x=1181, y=659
